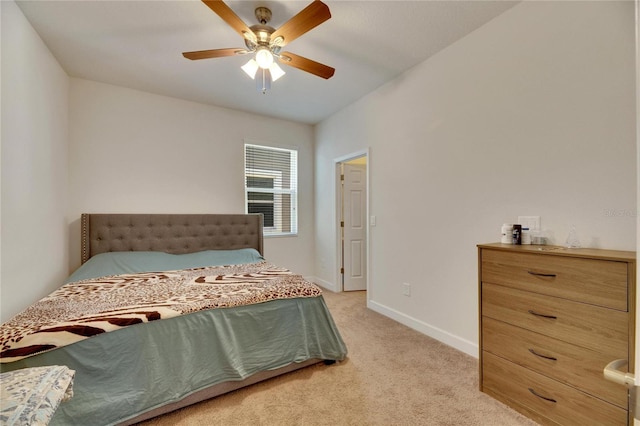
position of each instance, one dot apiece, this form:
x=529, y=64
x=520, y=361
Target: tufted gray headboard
x=170, y=233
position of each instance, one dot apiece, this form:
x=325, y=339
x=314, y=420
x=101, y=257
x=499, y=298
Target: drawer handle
x=542, y=315
x=543, y=356
x=543, y=397
x=540, y=274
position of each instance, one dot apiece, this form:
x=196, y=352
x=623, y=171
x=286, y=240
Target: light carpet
x=393, y=376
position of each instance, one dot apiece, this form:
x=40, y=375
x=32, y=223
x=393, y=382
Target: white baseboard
x=324, y=284
x=466, y=346
x=470, y=348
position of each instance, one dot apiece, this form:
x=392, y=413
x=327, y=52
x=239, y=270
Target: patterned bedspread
x=82, y=309
x=30, y=396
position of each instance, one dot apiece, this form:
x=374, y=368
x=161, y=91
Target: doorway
x=352, y=177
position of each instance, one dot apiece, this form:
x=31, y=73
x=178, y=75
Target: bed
x=136, y=372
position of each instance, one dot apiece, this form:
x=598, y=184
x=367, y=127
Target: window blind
x=271, y=180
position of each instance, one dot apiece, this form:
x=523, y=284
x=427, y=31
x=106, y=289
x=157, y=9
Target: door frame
x=338, y=213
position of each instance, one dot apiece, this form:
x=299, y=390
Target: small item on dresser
x=517, y=234
x=537, y=237
x=507, y=233
x=526, y=236
x=572, y=239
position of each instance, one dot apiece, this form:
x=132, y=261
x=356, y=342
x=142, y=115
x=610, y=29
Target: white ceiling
x=139, y=44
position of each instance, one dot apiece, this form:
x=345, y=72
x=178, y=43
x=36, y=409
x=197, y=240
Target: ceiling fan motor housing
x=263, y=15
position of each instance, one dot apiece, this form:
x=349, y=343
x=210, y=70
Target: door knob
x=614, y=373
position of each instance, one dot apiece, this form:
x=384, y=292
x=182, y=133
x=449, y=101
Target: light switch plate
x=531, y=222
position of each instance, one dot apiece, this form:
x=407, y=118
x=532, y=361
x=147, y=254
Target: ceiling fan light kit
x=264, y=57
x=263, y=75
x=266, y=42
x=275, y=71
x=251, y=68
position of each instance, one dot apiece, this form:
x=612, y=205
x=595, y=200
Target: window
x=271, y=182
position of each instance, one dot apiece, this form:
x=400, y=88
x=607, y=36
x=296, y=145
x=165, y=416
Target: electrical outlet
x=531, y=222
x=406, y=289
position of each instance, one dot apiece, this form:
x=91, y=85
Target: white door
x=355, y=227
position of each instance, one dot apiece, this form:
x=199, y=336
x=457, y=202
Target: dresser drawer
x=570, y=364
x=594, y=281
x=603, y=330
x=563, y=404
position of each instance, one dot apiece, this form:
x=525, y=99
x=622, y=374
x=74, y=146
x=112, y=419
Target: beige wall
x=34, y=166
x=131, y=151
x=531, y=114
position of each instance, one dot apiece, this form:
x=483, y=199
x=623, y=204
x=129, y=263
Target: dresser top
x=619, y=255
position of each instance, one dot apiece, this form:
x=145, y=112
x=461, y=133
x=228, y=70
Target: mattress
x=125, y=373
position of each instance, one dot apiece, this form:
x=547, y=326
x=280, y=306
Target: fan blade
x=309, y=18
x=229, y=16
x=307, y=65
x=214, y=53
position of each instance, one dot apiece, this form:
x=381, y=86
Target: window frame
x=278, y=190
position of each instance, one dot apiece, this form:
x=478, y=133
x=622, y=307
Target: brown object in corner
x=551, y=318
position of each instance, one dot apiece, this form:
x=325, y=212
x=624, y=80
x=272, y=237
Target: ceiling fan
x=267, y=42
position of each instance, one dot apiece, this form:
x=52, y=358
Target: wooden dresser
x=551, y=319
